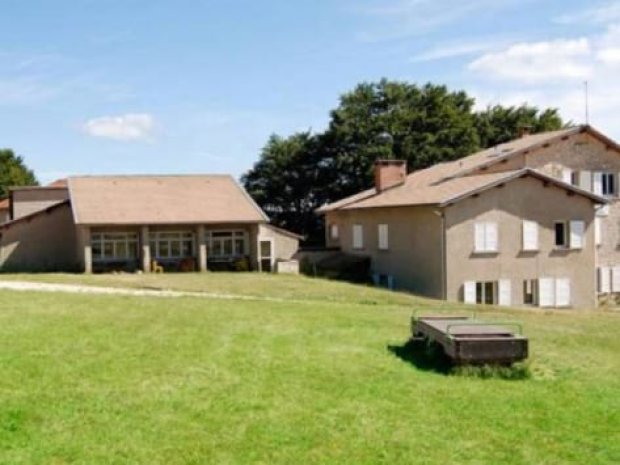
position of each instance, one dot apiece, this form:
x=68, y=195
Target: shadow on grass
x=431, y=357
x=423, y=356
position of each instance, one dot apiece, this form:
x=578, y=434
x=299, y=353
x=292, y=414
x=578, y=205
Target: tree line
x=13, y=172
x=423, y=125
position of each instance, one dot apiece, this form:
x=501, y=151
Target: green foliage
x=13, y=172
x=423, y=125
x=498, y=124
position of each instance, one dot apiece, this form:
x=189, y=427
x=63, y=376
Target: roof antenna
x=585, y=85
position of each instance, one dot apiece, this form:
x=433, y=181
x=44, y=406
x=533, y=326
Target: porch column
x=202, y=248
x=145, y=244
x=87, y=252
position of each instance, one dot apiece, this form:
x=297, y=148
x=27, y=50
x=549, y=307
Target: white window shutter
x=546, y=292
x=358, y=236
x=562, y=292
x=597, y=231
x=566, y=175
x=491, y=240
x=530, y=235
x=615, y=279
x=585, y=180
x=383, y=236
x=479, y=234
x=334, y=231
x=504, y=292
x=577, y=230
x=469, y=292
x=604, y=284
x=597, y=183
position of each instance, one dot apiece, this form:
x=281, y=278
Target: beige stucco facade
x=414, y=254
x=432, y=248
x=28, y=200
x=45, y=242
x=508, y=206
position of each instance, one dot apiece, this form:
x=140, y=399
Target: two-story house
x=534, y=221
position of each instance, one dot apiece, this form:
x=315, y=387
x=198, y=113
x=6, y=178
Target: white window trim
x=234, y=235
x=129, y=238
x=154, y=237
x=272, y=258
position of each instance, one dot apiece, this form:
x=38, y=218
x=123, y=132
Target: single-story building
x=100, y=223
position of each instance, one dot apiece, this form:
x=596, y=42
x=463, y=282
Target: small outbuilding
x=107, y=223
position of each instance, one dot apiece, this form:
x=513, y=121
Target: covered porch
x=176, y=248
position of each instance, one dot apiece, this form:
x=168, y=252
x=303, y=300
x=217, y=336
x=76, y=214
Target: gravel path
x=83, y=289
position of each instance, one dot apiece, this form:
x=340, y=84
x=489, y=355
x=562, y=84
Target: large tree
x=423, y=125
x=287, y=182
x=14, y=172
x=498, y=124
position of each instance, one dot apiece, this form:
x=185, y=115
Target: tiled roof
x=444, y=181
x=192, y=199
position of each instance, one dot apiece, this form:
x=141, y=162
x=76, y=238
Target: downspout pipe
x=442, y=219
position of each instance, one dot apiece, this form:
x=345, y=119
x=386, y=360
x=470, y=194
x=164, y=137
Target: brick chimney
x=524, y=130
x=389, y=173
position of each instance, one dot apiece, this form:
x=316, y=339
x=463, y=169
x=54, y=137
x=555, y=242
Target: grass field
x=90, y=379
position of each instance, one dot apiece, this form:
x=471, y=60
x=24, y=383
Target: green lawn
x=91, y=379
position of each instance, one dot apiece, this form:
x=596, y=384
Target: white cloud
x=398, y=19
x=128, y=127
x=552, y=74
x=607, y=13
x=538, y=61
x=452, y=50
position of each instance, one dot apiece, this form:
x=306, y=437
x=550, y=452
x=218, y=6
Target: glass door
x=265, y=247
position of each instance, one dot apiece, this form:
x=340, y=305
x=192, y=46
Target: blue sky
x=111, y=86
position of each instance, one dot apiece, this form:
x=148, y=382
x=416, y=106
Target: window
x=358, y=236
x=609, y=184
x=598, y=236
x=574, y=178
x=333, y=231
x=266, y=255
x=530, y=235
x=487, y=292
x=554, y=292
x=114, y=246
x=570, y=234
x=383, y=237
x=604, y=183
x=172, y=244
x=530, y=292
x=561, y=239
x=485, y=237
x=577, y=231
x=604, y=279
x=226, y=244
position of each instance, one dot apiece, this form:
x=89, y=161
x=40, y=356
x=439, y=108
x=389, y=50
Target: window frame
x=169, y=241
x=216, y=236
x=99, y=241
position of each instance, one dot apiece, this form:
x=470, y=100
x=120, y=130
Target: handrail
x=519, y=326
